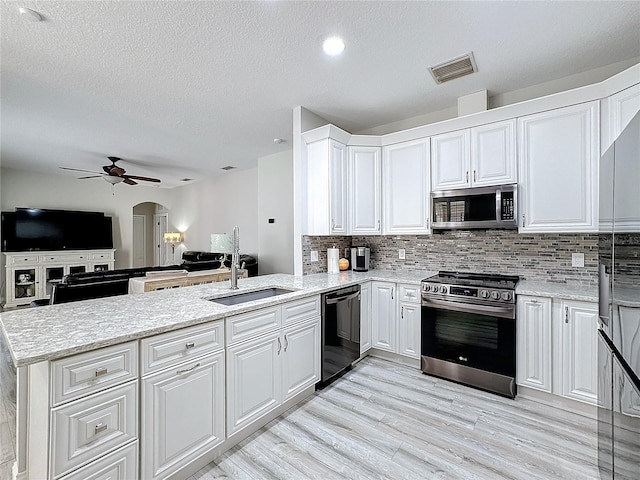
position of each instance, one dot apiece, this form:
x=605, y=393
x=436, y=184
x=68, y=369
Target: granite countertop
x=557, y=290
x=55, y=331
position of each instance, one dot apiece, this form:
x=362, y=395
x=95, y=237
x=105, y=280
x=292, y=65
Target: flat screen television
x=39, y=229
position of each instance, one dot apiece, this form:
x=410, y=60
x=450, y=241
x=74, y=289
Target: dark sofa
x=83, y=286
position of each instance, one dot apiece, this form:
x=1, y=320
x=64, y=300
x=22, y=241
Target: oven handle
x=503, y=312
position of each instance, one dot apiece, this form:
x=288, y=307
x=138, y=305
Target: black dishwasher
x=340, y=330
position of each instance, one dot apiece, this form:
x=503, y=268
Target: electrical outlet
x=314, y=255
x=577, y=259
x=401, y=254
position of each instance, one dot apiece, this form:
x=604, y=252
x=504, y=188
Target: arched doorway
x=150, y=222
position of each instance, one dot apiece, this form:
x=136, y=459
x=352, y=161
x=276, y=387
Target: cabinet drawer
x=247, y=325
x=22, y=259
x=101, y=256
x=90, y=427
x=65, y=258
x=409, y=293
x=119, y=465
x=300, y=309
x=163, y=351
x=90, y=372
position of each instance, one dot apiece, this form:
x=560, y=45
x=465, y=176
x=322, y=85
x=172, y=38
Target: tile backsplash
x=544, y=257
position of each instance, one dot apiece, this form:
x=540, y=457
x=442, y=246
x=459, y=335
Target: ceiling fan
x=114, y=174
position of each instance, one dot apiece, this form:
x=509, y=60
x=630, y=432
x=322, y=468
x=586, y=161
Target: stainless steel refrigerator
x=619, y=304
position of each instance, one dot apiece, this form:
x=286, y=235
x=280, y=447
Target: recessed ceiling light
x=333, y=46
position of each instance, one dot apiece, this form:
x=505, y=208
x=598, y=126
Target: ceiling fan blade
x=92, y=176
x=145, y=179
x=128, y=181
x=80, y=170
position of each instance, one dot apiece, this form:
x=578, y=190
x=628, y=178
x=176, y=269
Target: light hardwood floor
x=386, y=421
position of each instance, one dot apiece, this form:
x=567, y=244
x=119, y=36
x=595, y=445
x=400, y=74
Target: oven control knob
x=506, y=296
x=426, y=288
x=484, y=293
x=495, y=295
x=443, y=289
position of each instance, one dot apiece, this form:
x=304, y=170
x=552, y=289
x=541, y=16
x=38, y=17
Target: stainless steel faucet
x=236, y=268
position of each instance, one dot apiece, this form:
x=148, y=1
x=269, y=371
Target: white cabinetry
x=557, y=347
x=579, y=351
x=558, y=182
x=182, y=398
x=405, y=187
x=395, y=318
x=266, y=368
x=32, y=275
x=365, y=317
x=620, y=109
x=365, y=190
x=383, y=316
x=474, y=157
x=326, y=187
x=534, y=342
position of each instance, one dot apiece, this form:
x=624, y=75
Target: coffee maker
x=360, y=259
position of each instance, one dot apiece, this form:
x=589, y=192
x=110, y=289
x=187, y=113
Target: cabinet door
x=383, y=316
x=559, y=169
x=533, y=343
x=409, y=330
x=24, y=284
x=338, y=187
x=493, y=154
x=254, y=380
x=364, y=194
x=405, y=173
x=579, y=351
x=365, y=317
x=621, y=108
x=450, y=160
x=301, y=357
x=182, y=414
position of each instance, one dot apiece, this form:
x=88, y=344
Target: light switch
x=577, y=259
x=401, y=254
x=314, y=255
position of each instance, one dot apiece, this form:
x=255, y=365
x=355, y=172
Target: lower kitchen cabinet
x=395, y=318
x=265, y=371
x=119, y=465
x=580, y=351
x=383, y=316
x=557, y=347
x=182, y=414
x=365, y=317
x=533, y=331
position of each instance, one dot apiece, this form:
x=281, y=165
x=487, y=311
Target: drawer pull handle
x=101, y=371
x=190, y=345
x=188, y=370
x=286, y=343
x=101, y=427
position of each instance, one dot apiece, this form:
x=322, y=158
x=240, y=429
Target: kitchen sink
x=250, y=296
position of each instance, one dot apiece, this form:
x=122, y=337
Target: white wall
x=275, y=200
x=27, y=189
x=216, y=206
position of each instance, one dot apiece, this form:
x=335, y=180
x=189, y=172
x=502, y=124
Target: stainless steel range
x=469, y=330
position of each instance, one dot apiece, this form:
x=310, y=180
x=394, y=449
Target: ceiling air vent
x=454, y=68
x=228, y=167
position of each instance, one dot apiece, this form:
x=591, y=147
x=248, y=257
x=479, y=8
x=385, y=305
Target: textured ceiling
x=179, y=89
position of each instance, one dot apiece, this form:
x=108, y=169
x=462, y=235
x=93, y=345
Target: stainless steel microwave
x=482, y=207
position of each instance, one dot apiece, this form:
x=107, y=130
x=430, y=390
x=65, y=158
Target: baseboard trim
x=562, y=403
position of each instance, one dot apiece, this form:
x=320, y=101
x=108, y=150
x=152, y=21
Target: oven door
x=478, y=336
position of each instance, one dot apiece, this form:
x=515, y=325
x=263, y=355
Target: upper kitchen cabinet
x=405, y=187
x=365, y=190
x=618, y=110
x=475, y=157
x=558, y=152
x=326, y=187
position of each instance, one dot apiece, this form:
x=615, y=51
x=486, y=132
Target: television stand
x=31, y=275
